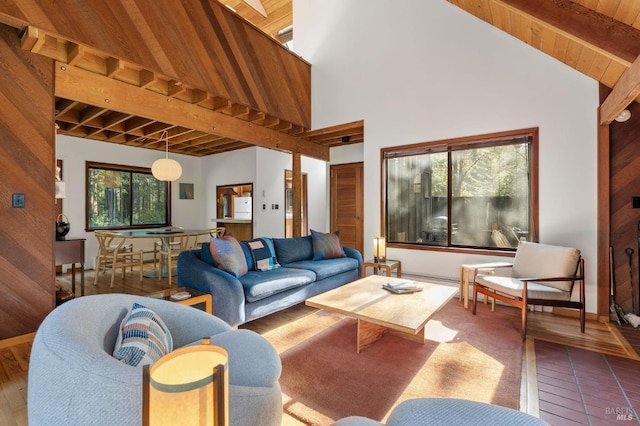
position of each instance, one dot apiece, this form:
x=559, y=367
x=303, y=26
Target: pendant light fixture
x=166, y=169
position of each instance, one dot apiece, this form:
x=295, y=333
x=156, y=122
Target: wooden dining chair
x=169, y=249
x=217, y=232
x=114, y=253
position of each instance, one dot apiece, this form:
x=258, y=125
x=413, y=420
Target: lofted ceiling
x=599, y=38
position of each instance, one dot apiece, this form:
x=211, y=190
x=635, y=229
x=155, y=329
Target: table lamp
x=379, y=249
x=188, y=386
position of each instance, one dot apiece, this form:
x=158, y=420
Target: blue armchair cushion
x=143, y=338
x=228, y=255
x=263, y=254
x=326, y=246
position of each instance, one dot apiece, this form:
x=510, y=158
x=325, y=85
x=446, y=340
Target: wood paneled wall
x=624, y=185
x=199, y=43
x=27, y=166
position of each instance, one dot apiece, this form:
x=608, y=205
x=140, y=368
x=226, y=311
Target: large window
x=478, y=192
x=125, y=197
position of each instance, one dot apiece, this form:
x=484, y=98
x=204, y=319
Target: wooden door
x=347, y=203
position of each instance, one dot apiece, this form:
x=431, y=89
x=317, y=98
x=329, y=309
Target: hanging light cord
x=165, y=136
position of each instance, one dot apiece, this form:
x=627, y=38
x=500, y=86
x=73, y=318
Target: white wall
x=75, y=152
x=228, y=168
x=317, y=193
x=419, y=71
x=261, y=167
x=265, y=169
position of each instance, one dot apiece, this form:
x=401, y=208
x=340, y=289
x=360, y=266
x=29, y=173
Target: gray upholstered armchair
x=541, y=274
x=75, y=380
x=447, y=411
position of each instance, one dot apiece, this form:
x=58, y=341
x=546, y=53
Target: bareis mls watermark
x=621, y=413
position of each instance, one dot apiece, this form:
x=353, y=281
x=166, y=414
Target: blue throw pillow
x=263, y=253
x=228, y=255
x=326, y=246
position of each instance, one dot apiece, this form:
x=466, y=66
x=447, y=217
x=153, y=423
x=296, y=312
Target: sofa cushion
x=263, y=254
x=228, y=255
x=260, y=284
x=293, y=249
x=326, y=245
x=326, y=268
x=143, y=338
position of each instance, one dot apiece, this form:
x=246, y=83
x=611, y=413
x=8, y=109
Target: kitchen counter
x=232, y=220
x=242, y=229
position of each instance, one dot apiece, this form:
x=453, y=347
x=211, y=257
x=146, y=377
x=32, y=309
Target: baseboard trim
x=17, y=340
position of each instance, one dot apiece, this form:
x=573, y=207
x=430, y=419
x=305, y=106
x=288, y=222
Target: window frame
x=122, y=168
x=448, y=145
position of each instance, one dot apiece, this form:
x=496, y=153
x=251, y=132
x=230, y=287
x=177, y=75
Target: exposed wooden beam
x=32, y=39
x=624, y=92
x=618, y=41
x=83, y=86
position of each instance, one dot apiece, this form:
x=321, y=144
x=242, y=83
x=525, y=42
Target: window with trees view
x=475, y=192
x=125, y=197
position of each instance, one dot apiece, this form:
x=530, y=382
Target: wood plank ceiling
x=92, y=114
x=599, y=38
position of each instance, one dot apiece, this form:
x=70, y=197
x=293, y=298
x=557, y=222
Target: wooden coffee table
x=379, y=311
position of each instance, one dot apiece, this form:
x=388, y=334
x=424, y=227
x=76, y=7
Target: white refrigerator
x=242, y=208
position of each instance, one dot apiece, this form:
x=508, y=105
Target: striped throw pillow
x=143, y=338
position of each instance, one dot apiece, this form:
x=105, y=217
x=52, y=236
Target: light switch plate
x=18, y=200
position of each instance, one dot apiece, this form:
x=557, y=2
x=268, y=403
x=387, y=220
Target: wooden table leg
x=82, y=279
x=73, y=278
x=369, y=333
x=418, y=337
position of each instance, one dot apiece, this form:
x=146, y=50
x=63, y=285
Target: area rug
x=324, y=378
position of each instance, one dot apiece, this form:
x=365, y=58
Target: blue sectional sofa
x=256, y=293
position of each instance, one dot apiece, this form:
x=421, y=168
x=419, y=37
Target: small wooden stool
x=467, y=269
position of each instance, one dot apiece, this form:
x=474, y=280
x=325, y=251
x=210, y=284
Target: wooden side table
x=467, y=269
x=388, y=265
x=196, y=298
x=71, y=251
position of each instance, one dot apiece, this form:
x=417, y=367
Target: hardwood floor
x=554, y=335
